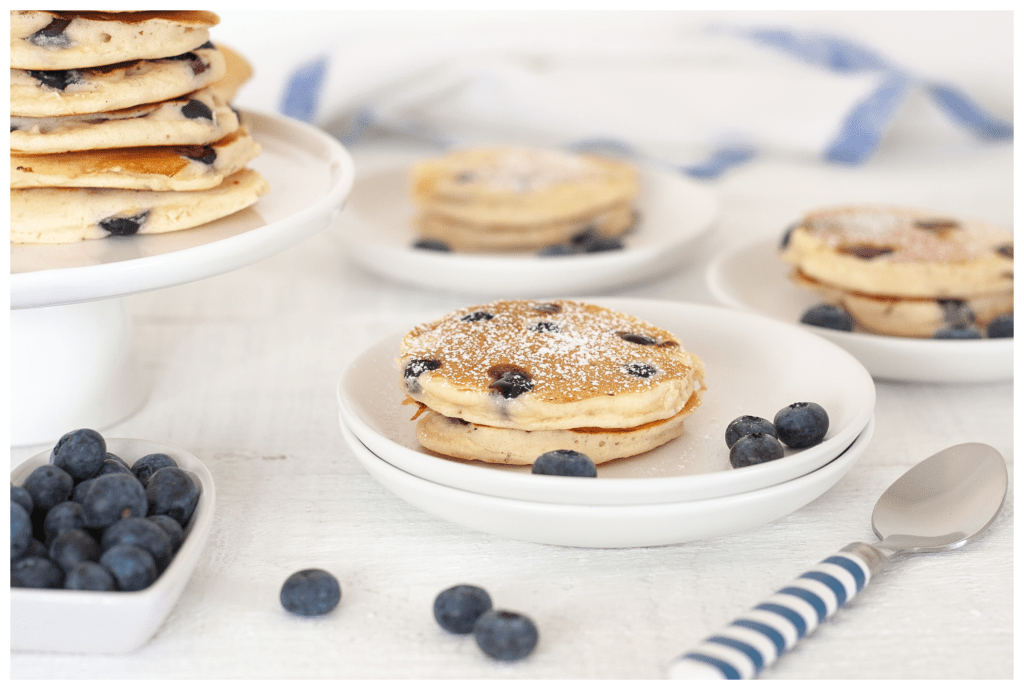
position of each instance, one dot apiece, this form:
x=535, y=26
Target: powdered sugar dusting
x=911, y=235
x=520, y=169
x=572, y=354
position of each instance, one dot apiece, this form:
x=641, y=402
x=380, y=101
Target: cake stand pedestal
x=73, y=358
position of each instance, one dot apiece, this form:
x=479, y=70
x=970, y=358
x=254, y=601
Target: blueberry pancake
x=904, y=272
x=160, y=168
x=54, y=215
x=195, y=118
x=49, y=93
x=507, y=381
x=55, y=40
x=510, y=198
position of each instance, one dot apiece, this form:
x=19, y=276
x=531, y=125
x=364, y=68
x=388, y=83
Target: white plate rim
x=69, y=285
x=581, y=525
x=922, y=360
x=619, y=490
x=524, y=274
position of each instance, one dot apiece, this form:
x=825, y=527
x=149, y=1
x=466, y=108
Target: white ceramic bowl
x=65, y=621
x=608, y=526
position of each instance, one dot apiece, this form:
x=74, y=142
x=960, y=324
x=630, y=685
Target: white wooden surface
x=243, y=369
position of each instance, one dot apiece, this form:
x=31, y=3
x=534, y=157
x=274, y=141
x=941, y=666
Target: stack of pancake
x=515, y=198
x=121, y=125
x=507, y=381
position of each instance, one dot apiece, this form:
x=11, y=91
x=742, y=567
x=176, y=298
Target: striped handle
x=754, y=642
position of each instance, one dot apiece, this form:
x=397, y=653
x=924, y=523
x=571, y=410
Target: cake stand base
x=72, y=366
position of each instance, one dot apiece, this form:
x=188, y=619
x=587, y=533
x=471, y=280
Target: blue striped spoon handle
x=755, y=641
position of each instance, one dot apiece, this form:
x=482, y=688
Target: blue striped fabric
x=857, y=136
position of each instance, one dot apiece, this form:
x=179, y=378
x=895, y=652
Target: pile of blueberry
x=502, y=635
x=753, y=440
x=90, y=521
x=586, y=241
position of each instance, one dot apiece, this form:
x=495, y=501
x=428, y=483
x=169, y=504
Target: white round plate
x=754, y=278
x=310, y=175
x=755, y=365
x=377, y=231
x=603, y=526
x=66, y=621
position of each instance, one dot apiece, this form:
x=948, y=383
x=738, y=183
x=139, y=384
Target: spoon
x=939, y=504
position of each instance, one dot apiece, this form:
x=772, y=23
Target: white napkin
x=722, y=94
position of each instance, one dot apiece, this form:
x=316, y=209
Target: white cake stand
x=73, y=361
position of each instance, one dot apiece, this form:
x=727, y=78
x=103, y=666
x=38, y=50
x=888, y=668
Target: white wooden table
x=242, y=370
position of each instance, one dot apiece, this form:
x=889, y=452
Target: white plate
x=310, y=175
x=65, y=621
x=598, y=526
x=377, y=231
x=755, y=278
x=755, y=365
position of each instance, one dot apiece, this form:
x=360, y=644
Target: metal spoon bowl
x=940, y=504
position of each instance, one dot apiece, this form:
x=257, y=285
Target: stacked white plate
x=683, y=491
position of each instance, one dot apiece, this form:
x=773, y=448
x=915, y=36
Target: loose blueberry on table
x=754, y=440
x=565, y=463
x=505, y=635
x=457, y=608
x=84, y=521
x=310, y=592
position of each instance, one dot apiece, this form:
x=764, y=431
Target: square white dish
x=66, y=621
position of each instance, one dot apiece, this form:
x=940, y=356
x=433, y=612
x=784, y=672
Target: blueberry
x=111, y=456
x=477, y=316
x=52, y=35
x=195, y=110
x=584, y=238
x=1001, y=326
x=505, y=635
x=511, y=383
x=802, y=424
x=747, y=424
x=557, y=250
x=36, y=548
x=545, y=327
x=144, y=467
x=22, y=497
x=755, y=448
x=828, y=316
x=112, y=497
x=62, y=517
x=139, y=531
x=173, y=492
x=21, y=530
x=123, y=226
x=48, y=485
x=640, y=370
x=90, y=576
x=786, y=235
x=80, y=453
x=415, y=367
x=310, y=592
x=637, y=338
x=957, y=313
x=432, y=245
x=174, y=531
x=457, y=608
x=58, y=79
x=198, y=152
x=133, y=568
x=604, y=244
x=957, y=333
x=36, y=572
x=111, y=466
x=565, y=463
x=82, y=488
x=73, y=547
